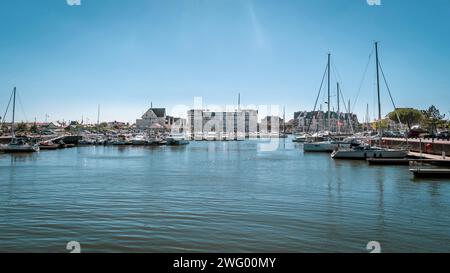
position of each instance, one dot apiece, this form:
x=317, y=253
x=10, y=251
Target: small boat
x=210, y=136
x=139, y=140
x=177, y=139
x=48, y=145
x=300, y=138
x=122, y=140
x=198, y=136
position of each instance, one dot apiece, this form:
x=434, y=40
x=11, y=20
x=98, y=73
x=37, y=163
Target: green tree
x=34, y=129
x=384, y=124
x=432, y=118
x=22, y=127
x=408, y=116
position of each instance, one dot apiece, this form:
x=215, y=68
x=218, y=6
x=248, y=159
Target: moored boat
x=17, y=145
x=364, y=152
x=177, y=139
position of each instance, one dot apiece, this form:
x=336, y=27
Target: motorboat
x=139, y=140
x=177, y=139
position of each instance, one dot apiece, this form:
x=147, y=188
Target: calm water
x=215, y=197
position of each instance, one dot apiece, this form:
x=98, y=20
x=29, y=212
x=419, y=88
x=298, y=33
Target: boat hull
x=323, y=147
x=177, y=142
x=19, y=149
x=364, y=154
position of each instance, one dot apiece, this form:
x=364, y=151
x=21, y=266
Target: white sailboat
x=364, y=152
x=321, y=141
x=17, y=145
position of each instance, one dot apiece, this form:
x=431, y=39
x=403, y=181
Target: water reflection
x=215, y=196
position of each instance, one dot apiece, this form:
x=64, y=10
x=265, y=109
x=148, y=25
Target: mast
x=239, y=101
x=338, y=110
x=284, y=120
x=380, y=131
x=98, y=115
x=329, y=114
x=98, y=119
x=367, y=117
x=13, y=136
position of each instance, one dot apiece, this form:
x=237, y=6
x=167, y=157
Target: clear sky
x=65, y=60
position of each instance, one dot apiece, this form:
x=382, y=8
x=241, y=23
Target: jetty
x=430, y=172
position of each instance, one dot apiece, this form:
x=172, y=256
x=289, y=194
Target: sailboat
x=364, y=152
x=283, y=133
x=321, y=141
x=17, y=145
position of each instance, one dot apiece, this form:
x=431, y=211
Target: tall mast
x=367, y=117
x=338, y=110
x=239, y=101
x=14, y=114
x=284, y=120
x=98, y=118
x=329, y=124
x=380, y=131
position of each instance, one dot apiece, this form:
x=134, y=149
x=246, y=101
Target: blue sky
x=65, y=60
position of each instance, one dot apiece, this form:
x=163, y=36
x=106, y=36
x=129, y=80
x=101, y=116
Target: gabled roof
x=158, y=112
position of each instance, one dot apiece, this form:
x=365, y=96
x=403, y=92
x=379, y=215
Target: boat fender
x=428, y=147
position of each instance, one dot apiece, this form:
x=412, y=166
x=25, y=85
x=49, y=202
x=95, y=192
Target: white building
x=222, y=124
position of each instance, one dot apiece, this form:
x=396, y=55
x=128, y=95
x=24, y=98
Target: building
x=238, y=123
x=318, y=121
x=152, y=118
x=271, y=124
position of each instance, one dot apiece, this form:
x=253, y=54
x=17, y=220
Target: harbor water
x=215, y=197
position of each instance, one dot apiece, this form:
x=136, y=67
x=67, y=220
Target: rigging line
x=363, y=78
x=390, y=95
x=21, y=106
x=349, y=115
x=7, y=108
x=317, y=99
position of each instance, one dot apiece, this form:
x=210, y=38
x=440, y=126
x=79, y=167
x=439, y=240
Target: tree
x=408, y=116
x=432, y=118
x=34, y=128
x=22, y=127
x=384, y=124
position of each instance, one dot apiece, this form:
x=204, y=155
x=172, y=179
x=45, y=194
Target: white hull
x=364, y=154
x=175, y=140
x=326, y=147
x=19, y=148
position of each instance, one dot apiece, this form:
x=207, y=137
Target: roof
x=158, y=112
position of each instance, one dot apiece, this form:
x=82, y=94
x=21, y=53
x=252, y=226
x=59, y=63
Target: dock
x=430, y=172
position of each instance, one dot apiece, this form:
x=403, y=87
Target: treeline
x=430, y=119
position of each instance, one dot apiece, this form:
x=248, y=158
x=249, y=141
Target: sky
x=122, y=55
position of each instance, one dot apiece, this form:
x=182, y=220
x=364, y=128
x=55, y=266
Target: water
x=215, y=197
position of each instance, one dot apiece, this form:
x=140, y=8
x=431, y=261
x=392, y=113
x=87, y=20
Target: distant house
x=318, y=121
x=46, y=125
x=152, y=117
x=271, y=124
